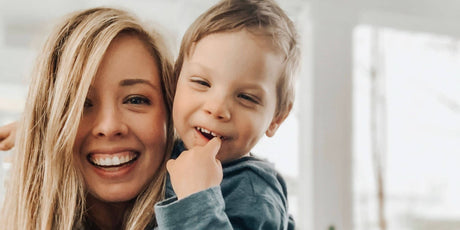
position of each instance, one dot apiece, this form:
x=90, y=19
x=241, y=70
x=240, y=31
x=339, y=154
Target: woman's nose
x=109, y=123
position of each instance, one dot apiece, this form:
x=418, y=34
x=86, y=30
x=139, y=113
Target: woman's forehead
x=127, y=57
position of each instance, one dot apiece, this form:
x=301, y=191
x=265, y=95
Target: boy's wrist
x=173, y=211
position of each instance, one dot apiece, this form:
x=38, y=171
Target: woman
x=91, y=145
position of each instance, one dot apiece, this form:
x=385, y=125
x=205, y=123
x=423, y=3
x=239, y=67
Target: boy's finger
x=213, y=146
x=169, y=164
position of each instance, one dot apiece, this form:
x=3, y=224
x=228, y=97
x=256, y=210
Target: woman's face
x=121, y=139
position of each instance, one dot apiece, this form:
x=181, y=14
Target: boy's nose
x=109, y=123
x=218, y=107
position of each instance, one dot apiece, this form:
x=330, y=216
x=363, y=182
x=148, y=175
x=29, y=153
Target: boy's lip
x=209, y=133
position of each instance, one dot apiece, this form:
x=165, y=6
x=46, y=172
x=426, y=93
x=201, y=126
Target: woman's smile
x=121, y=139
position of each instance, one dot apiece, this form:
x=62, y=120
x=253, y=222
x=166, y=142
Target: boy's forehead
x=241, y=48
x=258, y=34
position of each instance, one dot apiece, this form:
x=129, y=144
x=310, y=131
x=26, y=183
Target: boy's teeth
x=206, y=131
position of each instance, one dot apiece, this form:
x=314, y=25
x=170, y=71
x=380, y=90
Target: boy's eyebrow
x=196, y=66
x=129, y=82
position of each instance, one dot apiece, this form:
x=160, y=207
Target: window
x=416, y=112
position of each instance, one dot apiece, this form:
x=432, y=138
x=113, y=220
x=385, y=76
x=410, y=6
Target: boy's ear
x=276, y=122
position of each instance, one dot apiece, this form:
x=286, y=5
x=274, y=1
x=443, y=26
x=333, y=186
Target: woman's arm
x=7, y=136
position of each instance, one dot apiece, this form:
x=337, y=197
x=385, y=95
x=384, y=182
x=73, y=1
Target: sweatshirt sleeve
x=206, y=210
x=202, y=210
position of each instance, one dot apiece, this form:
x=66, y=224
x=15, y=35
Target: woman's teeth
x=114, y=160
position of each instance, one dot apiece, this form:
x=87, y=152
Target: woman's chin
x=114, y=196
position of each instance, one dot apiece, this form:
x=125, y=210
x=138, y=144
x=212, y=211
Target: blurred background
x=373, y=142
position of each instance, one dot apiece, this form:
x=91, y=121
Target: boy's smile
x=227, y=89
x=209, y=134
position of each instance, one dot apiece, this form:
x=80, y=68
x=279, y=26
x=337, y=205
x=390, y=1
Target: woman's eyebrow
x=129, y=82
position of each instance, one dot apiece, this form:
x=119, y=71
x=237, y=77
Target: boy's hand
x=7, y=136
x=196, y=169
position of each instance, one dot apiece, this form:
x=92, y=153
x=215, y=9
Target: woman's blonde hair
x=46, y=189
x=260, y=17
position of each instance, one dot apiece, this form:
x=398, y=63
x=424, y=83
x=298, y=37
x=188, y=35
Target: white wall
x=330, y=55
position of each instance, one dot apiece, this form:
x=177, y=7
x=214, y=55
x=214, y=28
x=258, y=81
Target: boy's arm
x=195, y=177
x=202, y=210
x=206, y=210
x=247, y=208
x=7, y=136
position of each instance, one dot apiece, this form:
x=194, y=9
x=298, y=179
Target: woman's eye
x=137, y=100
x=88, y=103
x=249, y=98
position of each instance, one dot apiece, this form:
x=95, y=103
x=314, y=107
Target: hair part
x=46, y=190
x=260, y=17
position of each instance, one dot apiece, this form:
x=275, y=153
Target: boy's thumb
x=213, y=146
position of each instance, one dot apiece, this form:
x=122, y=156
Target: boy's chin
x=224, y=156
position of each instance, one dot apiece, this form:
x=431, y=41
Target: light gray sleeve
x=206, y=210
x=202, y=210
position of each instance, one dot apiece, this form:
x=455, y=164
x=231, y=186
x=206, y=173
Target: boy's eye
x=137, y=100
x=249, y=98
x=200, y=82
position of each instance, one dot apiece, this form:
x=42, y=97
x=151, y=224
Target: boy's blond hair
x=260, y=17
x=46, y=190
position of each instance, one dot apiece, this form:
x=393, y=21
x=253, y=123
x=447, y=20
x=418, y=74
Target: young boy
x=235, y=84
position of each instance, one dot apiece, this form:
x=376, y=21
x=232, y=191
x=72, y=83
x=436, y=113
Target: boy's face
x=227, y=88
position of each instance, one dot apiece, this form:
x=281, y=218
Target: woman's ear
x=276, y=122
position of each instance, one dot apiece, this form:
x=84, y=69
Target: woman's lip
x=114, y=168
x=114, y=172
x=111, y=150
x=119, y=159
x=103, y=155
